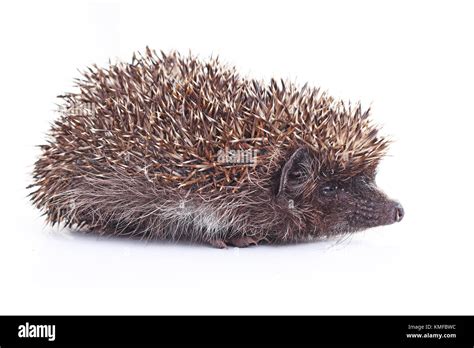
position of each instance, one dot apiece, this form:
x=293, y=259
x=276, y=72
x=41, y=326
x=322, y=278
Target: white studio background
x=411, y=60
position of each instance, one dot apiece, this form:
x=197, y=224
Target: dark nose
x=399, y=212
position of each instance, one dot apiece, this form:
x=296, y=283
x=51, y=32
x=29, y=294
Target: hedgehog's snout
x=399, y=213
x=394, y=212
x=376, y=213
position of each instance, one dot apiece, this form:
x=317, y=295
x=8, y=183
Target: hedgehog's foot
x=244, y=241
x=218, y=243
x=240, y=242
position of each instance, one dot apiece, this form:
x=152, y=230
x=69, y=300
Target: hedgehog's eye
x=329, y=190
x=296, y=175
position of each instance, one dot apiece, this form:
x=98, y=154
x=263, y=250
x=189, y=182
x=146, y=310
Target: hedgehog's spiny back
x=168, y=117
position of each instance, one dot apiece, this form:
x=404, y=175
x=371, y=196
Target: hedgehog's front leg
x=243, y=241
x=218, y=243
x=240, y=242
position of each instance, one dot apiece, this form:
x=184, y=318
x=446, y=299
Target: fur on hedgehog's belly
x=127, y=207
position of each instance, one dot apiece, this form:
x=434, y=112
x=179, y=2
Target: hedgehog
x=175, y=147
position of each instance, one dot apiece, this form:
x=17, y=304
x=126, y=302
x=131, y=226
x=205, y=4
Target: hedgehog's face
x=335, y=206
x=354, y=204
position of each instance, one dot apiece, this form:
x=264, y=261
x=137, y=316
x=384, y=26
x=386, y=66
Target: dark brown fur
x=136, y=152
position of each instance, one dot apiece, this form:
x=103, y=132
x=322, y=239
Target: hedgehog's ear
x=295, y=171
